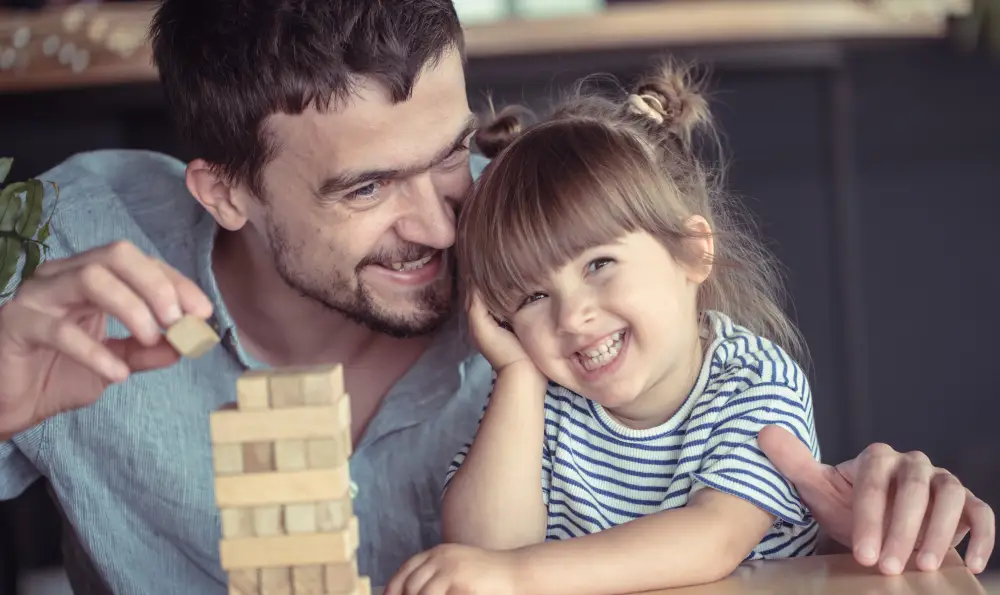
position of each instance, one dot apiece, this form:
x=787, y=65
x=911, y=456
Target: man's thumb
x=790, y=455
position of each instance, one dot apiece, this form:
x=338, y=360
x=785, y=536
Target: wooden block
x=341, y=577
x=328, y=453
x=191, y=336
x=300, y=518
x=268, y=520
x=308, y=580
x=290, y=455
x=258, y=457
x=333, y=515
x=267, y=425
x=293, y=487
x=298, y=386
x=276, y=581
x=227, y=459
x=251, y=390
x=244, y=582
x=237, y=522
x=290, y=550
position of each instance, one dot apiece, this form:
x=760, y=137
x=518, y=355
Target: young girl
x=638, y=347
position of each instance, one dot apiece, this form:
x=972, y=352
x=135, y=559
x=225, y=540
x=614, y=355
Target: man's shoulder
x=110, y=195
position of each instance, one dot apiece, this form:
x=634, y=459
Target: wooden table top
x=835, y=575
x=99, y=44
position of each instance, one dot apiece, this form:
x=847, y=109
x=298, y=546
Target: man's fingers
x=912, y=496
x=140, y=358
x=67, y=337
x=93, y=285
x=870, y=497
x=791, y=457
x=941, y=524
x=982, y=527
x=192, y=299
x=154, y=283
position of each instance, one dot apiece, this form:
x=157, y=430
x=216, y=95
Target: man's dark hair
x=226, y=65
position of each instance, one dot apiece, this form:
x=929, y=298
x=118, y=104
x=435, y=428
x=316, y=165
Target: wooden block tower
x=282, y=484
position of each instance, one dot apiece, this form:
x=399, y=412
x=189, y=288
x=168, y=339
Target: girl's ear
x=700, y=249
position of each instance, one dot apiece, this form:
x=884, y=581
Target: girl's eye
x=530, y=299
x=598, y=263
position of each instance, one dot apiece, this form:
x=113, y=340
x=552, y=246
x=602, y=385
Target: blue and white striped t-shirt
x=598, y=473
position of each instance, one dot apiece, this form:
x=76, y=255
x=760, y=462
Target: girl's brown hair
x=600, y=167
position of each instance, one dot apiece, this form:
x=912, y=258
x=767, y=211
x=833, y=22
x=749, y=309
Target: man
x=333, y=141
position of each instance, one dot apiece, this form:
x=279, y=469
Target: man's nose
x=430, y=215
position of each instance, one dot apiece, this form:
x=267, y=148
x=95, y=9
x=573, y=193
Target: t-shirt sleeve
x=766, y=393
x=456, y=463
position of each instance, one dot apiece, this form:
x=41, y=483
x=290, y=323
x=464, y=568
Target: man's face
x=359, y=211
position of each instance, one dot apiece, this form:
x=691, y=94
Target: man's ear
x=700, y=248
x=225, y=203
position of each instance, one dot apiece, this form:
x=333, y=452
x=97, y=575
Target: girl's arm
x=494, y=501
x=700, y=543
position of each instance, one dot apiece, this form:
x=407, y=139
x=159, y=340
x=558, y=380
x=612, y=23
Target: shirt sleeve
x=17, y=471
x=775, y=392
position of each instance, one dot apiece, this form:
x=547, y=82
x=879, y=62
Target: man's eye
x=367, y=191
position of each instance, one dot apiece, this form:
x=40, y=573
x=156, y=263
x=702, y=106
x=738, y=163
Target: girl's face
x=618, y=325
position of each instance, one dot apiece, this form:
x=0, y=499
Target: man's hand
x=54, y=354
x=885, y=505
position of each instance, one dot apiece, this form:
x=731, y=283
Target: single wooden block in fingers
x=228, y=426
x=276, y=581
x=304, y=386
x=290, y=550
x=191, y=336
x=292, y=487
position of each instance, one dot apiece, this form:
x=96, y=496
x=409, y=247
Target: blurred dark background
x=873, y=168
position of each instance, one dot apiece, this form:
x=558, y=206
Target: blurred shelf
x=100, y=44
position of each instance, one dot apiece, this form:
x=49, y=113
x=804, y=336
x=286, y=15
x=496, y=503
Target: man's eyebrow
x=347, y=179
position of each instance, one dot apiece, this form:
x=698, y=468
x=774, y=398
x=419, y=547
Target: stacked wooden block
x=283, y=485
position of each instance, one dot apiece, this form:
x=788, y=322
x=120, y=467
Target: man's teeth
x=604, y=353
x=411, y=265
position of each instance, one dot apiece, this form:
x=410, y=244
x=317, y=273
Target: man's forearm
x=673, y=548
x=494, y=501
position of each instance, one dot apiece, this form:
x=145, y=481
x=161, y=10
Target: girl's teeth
x=603, y=355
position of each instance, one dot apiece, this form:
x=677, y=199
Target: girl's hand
x=500, y=346
x=453, y=568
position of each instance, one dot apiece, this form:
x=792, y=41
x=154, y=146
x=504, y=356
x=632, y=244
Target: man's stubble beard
x=431, y=307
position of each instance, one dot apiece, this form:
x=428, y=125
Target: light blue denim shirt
x=132, y=473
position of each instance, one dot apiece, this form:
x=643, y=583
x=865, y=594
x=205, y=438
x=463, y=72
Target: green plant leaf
x=43, y=233
x=31, y=214
x=33, y=257
x=5, y=163
x=10, y=250
x=10, y=203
